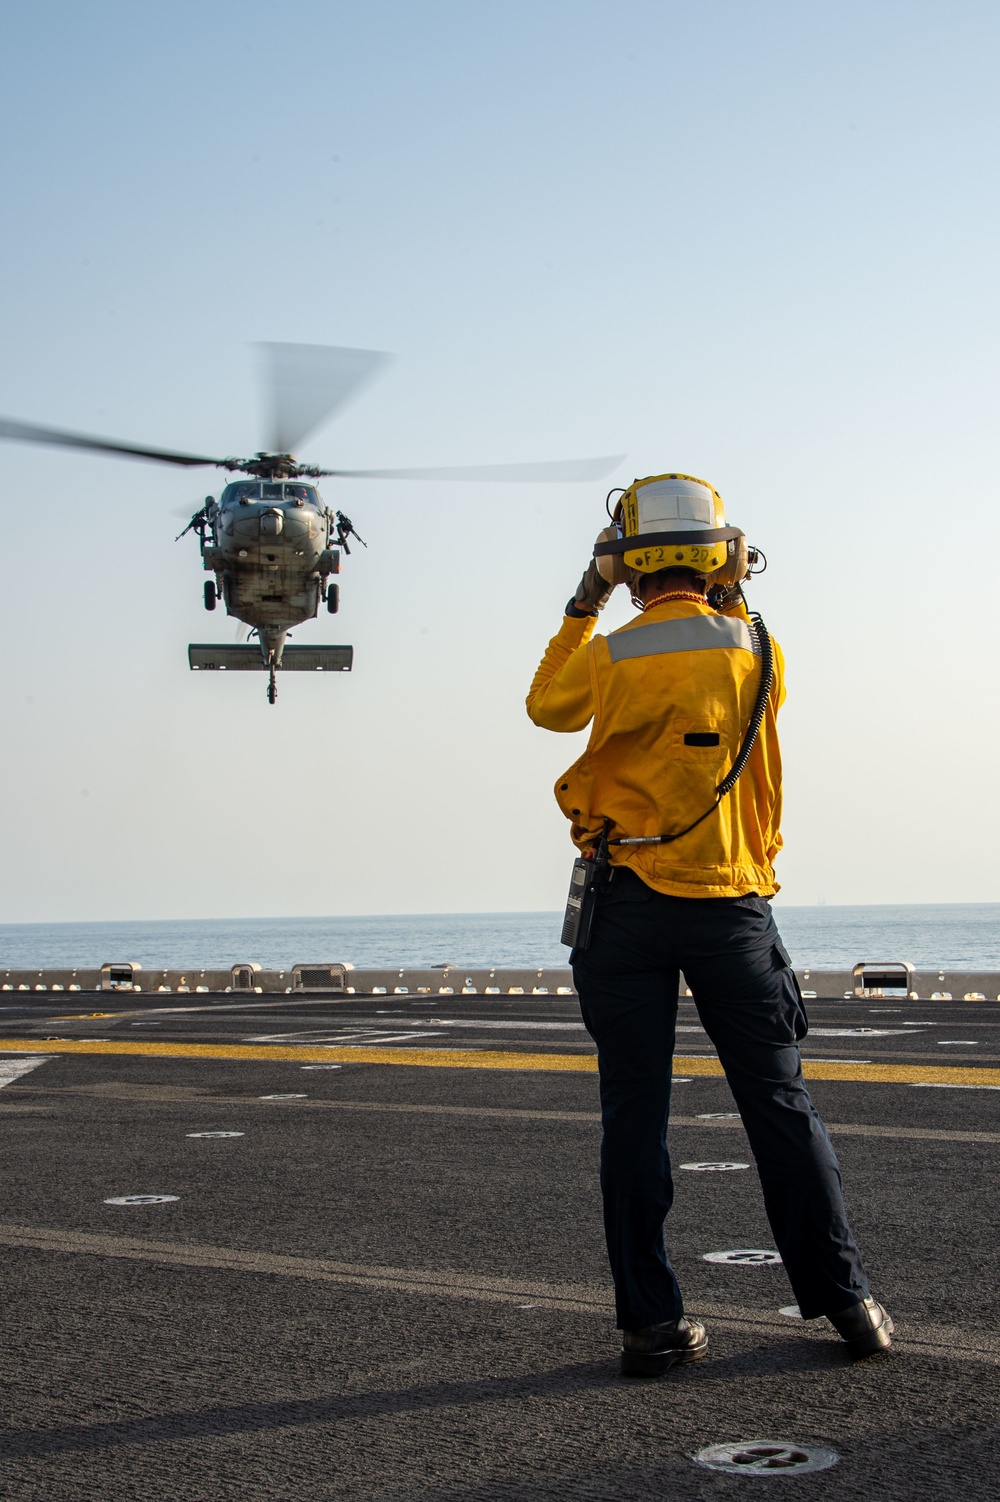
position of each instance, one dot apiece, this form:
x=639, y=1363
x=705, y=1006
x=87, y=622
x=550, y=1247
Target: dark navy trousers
x=750, y=1005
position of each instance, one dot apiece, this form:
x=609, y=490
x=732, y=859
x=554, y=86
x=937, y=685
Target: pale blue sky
x=751, y=241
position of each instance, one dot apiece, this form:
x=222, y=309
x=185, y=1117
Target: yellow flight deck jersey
x=670, y=695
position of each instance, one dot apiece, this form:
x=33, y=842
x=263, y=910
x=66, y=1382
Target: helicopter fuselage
x=268, y=544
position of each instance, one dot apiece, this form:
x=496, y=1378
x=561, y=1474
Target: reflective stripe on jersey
x=696, y=633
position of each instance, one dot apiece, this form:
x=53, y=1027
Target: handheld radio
x=589, y=874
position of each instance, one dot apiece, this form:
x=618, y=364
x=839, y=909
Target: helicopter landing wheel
x=333, y=598
x=272, y=689
x=211, y=594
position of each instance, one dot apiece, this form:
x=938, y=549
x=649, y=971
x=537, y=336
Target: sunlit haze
x=756, y=243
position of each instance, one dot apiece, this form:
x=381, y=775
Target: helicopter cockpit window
x=301, y=493
x=243, y=490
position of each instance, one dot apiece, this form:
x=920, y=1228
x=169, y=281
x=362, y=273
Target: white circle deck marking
x=744, y=1257
x=791, y=1311
x=713, y=1167
x=214, y=1134
x=291, y=1095
x=718, y=1115
x=766, y=1457
x=143, y=1199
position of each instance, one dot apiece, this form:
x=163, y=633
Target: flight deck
x=292, y=1246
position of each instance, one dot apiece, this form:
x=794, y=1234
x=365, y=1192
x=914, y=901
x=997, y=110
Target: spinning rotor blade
x=558, y=471
x=25, y=432
x=307, y=383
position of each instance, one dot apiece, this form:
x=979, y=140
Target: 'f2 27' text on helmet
x=671, y=521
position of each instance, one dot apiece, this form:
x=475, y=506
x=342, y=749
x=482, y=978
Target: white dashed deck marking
x=347, y=1037
x=933, y=1085
x=12, y=1069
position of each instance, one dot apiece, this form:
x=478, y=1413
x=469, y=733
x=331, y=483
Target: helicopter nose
x=271, y=524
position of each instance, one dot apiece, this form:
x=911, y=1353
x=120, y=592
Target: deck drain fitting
x=144, y=1199
x=766, y=1457
x=744, y=1257
x=214, y=1134
x=714, y=1167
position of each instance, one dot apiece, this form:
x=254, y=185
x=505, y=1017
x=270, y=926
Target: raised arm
x=560, y=697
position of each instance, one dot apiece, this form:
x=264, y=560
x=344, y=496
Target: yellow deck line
x=474, y=1058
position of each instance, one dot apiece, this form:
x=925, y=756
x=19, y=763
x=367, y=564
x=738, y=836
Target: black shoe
x=654, y=1350
x=866, y=1327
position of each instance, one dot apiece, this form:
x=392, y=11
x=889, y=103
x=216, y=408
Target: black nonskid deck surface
x=392, y=1285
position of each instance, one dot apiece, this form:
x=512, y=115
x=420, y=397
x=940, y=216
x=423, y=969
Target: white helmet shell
x=675, y=505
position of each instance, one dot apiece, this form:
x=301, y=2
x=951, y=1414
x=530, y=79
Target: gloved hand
x=592, y=593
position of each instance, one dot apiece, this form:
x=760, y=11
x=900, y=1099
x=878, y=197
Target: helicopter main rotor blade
x=560, y=471
x=26, y=432
x=307, y=383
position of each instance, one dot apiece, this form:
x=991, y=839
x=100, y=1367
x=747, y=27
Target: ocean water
x=952, y=935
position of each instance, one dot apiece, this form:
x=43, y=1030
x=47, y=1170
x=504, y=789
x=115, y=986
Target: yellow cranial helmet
x=667, y=521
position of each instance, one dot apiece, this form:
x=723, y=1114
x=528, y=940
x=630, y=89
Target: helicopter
x=270, y=542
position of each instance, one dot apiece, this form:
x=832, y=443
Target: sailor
x=675, y=807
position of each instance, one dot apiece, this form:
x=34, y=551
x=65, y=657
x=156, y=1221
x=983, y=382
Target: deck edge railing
x=883, y=980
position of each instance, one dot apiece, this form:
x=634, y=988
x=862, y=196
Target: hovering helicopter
x=271, y=543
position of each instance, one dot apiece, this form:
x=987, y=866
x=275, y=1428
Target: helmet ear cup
x=736, y=566
x=611, y=566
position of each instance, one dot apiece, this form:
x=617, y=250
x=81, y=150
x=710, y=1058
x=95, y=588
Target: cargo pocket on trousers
x=793, y=1005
